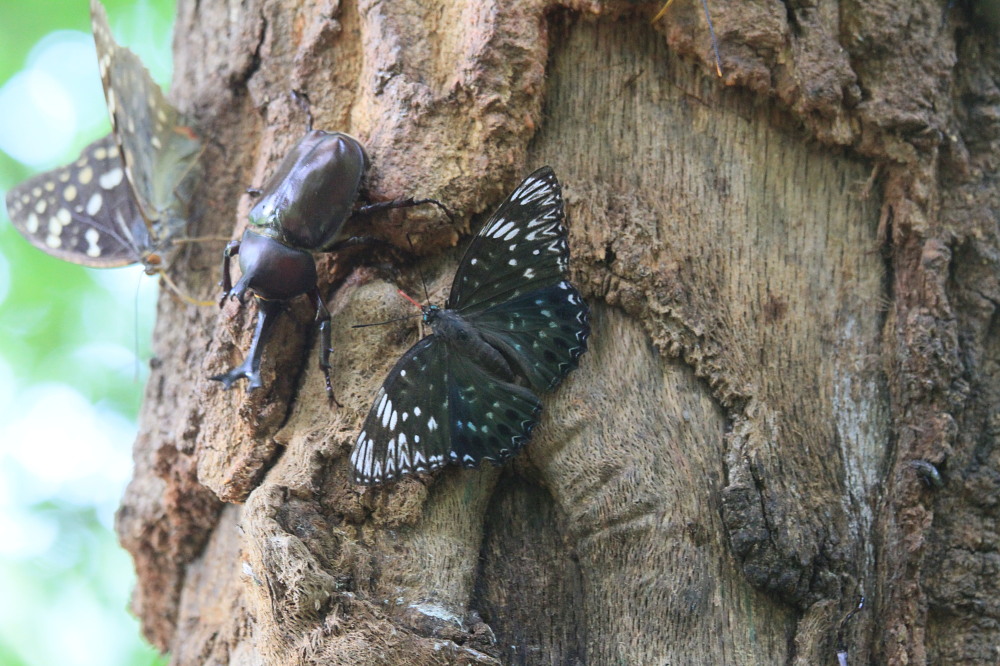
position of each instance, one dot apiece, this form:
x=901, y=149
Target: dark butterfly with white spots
x=125, y=200
x=513, y=327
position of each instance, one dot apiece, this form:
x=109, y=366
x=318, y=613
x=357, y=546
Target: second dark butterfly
x=513, y=327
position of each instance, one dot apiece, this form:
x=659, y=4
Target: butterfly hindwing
x=83, y=212
x=159, y=149
x=521, y=247
x=490, y=419
x=543, y=332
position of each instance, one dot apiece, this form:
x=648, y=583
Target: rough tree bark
x=793, y=272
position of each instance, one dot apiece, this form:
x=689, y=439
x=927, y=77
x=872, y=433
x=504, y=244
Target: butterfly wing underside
x=437, y=407
x=159, y=150
x=84, y=212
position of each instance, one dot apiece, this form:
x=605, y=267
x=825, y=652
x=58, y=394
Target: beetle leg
x=325, y=348
x=267, y=315
x=232, y=249
x=357, y=241
x=408, y=202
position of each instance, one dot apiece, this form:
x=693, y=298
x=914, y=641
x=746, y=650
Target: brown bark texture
x=790, y=399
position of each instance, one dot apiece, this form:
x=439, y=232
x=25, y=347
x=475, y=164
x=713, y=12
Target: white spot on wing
x=111, y=179
x=92, y=236
x=387, y=413
x=94, y=204
x=498, y=233
x=404, y=452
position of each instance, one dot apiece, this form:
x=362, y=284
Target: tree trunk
x=790, y=400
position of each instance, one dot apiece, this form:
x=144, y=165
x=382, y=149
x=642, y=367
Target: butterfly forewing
x=406, y=428
x=158, y=148
x=542, y=332
x=83, y=212
x=521, y=247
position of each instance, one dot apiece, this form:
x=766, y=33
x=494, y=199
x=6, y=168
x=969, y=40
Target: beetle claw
x=243, y=371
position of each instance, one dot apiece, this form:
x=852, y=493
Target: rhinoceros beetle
x=301, y=210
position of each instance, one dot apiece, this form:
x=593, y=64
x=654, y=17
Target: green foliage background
x=74, y=349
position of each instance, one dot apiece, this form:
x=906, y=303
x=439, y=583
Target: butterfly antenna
x=715, y=42
x=387, y=321
x=180, y=294
x=841, y=630
x=135, y=330
x=711, y=31
x=420, y=273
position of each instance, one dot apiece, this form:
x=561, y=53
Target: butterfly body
x=512, y=327
x=453, y=330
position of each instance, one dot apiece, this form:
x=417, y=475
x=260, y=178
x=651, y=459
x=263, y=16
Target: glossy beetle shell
x=307, y=200
x=274, y=270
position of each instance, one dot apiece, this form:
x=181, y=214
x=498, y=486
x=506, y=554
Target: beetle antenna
x=407, y=297
x=201, y=239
